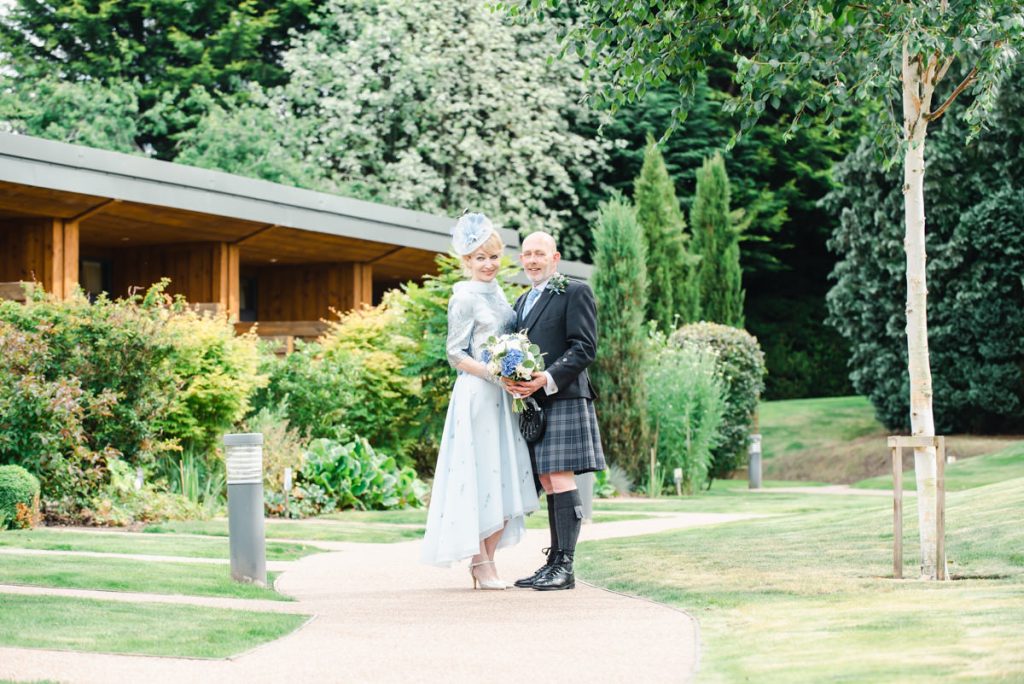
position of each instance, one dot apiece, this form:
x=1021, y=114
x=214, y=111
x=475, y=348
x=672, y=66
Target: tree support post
x=896, y=446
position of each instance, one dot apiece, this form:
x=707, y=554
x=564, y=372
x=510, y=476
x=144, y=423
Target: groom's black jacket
x=564, y=326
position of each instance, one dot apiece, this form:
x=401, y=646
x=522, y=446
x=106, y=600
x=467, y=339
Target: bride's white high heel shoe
x=485, y=583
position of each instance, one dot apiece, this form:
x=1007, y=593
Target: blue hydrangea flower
x=487, y=356
x=512, y=359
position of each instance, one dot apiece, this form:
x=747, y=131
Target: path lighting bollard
x=585, y=483
x=244, y=455
x=754, y=468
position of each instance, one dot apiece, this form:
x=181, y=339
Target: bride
x=483, y=482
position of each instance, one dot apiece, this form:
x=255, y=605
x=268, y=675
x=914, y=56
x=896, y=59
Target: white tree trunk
x=917, y=91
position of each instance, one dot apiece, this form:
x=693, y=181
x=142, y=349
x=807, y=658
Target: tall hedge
x=741, y=369
x=975, y=246
x=671, y=293
x=716, y=242
x=620, y=288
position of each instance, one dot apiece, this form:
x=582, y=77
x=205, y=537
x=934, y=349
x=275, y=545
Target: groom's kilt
x=571, y=439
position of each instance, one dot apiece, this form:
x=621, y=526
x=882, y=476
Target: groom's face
x=539, y=257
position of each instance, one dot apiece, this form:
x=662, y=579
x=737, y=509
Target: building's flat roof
x=75, y=169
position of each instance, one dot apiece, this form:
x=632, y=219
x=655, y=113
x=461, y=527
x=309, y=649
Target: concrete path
x=380, y=616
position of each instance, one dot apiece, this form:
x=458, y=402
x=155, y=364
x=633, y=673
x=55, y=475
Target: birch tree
x=829, y=56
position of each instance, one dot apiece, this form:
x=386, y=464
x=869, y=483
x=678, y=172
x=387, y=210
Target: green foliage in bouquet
x=353, y=475
x=740, y=367
x=685, y=406
x=19, y=497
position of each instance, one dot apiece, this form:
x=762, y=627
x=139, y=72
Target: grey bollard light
x=244, y=456
x=754, y=465
x=585, y=483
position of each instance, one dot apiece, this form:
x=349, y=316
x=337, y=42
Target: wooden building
x=110, y=222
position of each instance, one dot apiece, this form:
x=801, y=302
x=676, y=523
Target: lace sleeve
x=460, y=329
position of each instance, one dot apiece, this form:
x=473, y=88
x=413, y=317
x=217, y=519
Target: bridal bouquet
x=512, y=356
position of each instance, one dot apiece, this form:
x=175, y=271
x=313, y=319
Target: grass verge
x=137, y=628
x=809, y=597
x=51, y=539
x=117, y=574
x=734, y=499
x=1003, y=465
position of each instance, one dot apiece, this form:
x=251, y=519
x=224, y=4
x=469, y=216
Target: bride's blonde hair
x=492, y=245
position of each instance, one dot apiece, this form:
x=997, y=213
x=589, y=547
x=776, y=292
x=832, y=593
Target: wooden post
x=226, y=281
x=43, y=250
x=897, y=512
x=940, y=508
x=896, y=446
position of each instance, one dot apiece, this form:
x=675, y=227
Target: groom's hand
x=528, y=387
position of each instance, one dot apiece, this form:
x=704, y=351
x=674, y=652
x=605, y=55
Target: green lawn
x=798, y=424
x=55, y=539
x=734, y=499
x=1003, y=465
x=141, y=628
x=308, y=530
x=809, y=597
x=117, y=574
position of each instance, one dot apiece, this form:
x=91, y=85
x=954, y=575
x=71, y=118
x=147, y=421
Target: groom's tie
x=531, y=299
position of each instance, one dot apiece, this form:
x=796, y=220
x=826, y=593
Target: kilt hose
x=571, y=441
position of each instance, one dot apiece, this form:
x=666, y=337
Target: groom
x=560, y=317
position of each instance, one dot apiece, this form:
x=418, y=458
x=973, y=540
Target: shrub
x=740, y=367
x=685, y=406
x=282, y=445
x=353, y=475
x=121, y=501
x=620, y=288
x=134, y=379
x=19, y=498
x=215, y=371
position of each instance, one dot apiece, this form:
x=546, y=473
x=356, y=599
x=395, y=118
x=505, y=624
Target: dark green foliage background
x=975, y=242
x=778, y=183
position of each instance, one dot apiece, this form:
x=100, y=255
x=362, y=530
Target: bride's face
x=483, y=265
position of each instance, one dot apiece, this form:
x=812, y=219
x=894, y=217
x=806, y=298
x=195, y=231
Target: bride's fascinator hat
x=471, y=231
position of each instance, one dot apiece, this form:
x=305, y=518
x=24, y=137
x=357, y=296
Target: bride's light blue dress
x=483, y=477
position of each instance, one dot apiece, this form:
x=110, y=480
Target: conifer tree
x=671, y=299
x=716, y=242
x=620, y=288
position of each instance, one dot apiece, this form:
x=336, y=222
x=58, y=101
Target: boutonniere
x=557, y=283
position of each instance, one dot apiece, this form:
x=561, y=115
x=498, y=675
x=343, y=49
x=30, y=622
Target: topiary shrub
x=740, y=366
x=19, y=498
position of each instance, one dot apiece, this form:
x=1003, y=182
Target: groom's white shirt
x=550, y=388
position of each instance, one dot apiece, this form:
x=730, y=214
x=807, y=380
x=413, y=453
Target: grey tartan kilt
x=571, y=439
